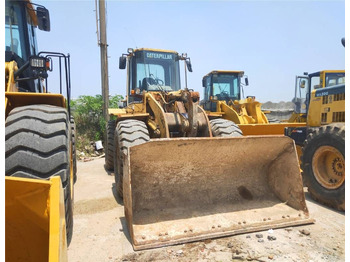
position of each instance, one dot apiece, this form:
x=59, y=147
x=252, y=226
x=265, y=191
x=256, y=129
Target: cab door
x=301, y=95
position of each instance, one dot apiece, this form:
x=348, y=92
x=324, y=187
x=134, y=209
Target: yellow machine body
x=326, y=107
x=14, y=98
x=35, y=229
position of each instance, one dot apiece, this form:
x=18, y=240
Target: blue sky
x=272, y=41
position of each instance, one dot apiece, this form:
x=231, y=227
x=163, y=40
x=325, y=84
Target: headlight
x=38, y=62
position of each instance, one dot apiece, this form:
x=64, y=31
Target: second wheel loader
x=223, y=99
x=185, y=178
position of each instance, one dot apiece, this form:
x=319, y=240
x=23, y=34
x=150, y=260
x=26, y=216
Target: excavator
x=184, y=177
x=40, y=165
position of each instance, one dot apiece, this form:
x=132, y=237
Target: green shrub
x=89, y=120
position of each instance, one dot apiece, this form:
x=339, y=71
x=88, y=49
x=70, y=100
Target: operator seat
x=146, y=82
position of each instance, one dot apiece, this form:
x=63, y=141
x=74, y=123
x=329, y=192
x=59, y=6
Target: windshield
x=226, y=86
x=156, y=71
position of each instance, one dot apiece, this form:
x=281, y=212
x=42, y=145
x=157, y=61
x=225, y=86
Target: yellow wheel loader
x=39, y=142
x=223, y=100
x=185, y=178
x=323, y=139
x=317, y=80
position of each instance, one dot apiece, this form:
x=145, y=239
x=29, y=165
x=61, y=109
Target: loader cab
x=150, y=70
x=21, y=19
x=305, y=84
x=221, y=86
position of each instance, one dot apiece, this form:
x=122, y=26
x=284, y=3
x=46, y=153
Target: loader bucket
x=35, y=228
x=188, y=189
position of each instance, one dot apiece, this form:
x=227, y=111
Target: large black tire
x=127, y=133
x=224, y=128
x=323, y=165
x=74, y=149
x=109, y=154
x=37, y=145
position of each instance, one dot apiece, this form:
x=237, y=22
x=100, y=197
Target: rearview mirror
x=246, y=81
x=122, y=62
x=43, y=18
x=302, y=84
x=189, y=65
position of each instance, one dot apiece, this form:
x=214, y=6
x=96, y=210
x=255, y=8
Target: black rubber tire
x=127, y=133
x=330, y=135
x=74, y=150
x=37, y=146
x=224, y=128
x=109, y=154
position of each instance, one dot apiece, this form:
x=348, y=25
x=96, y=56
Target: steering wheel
x=157, y=80
x=224, y=94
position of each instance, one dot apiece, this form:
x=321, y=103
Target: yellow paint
x=35, y=220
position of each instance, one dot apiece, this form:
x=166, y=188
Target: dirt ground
x=100, y=232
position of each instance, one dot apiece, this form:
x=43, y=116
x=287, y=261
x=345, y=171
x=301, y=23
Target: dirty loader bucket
x=35, y=228
x=188, y=189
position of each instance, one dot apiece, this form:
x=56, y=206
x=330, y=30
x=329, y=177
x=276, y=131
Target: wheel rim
x=328, y=166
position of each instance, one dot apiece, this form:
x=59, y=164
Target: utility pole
x=104, y=58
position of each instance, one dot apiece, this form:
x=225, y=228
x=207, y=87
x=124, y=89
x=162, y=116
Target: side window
x=31, y=34
x=234, y=90
x=207, y=89
x=315, y=82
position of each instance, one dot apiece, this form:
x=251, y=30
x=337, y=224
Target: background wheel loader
x=39, y=143
x=223, y=100
x=323, y=139
x=321, y=99
x=317, y=80
x=185, y=178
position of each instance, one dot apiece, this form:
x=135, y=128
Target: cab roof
x=224, y=72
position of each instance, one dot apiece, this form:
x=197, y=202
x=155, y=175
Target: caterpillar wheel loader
x=185, y=178
x=39, y=142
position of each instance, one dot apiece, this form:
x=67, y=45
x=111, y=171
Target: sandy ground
x=100, y=232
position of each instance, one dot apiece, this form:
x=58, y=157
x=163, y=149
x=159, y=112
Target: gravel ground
x=100, y=232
